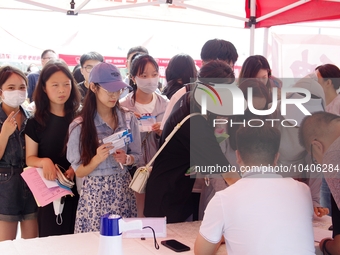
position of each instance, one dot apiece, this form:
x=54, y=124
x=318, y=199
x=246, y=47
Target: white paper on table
x=320, y=234
x=158, y=225
x=49, y=184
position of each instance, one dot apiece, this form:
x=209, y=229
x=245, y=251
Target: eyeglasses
x=88, y=68
x=49, y=58
x=110, y=94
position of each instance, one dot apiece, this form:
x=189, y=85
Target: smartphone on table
x=175, y=245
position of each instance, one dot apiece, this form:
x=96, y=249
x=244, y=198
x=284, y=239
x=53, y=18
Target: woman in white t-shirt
x=148, y=106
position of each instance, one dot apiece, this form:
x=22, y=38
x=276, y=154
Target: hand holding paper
x=156, y=128
x=120, y=156
x=103, y=151
x=42, y=194
x=118, y=140
x=146, y=123
x=49, y=170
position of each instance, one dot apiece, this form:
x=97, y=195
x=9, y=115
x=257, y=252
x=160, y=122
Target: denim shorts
x=16, y=200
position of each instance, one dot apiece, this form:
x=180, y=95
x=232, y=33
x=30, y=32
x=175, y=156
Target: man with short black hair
x=87, y=62
x=33, y=77
x=131, y=52
x=319, y=134
x=262, y=213
x=215, y=49
x=219, y=49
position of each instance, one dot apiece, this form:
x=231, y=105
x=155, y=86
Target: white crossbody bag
x=141, y=175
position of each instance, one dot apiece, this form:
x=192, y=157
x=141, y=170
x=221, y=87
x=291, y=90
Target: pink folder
x=42, y=194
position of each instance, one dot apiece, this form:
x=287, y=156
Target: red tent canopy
x=270, y=13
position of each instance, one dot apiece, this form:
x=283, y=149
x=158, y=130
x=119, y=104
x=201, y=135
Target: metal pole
x=252, y=26
x=265, y=42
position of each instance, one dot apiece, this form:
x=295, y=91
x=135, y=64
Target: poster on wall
x=295, y=56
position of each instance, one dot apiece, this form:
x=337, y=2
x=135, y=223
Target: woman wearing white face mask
x=148, y=106
x=16, y=200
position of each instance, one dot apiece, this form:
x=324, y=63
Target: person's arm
x=8, y=127
x=331, y=160
x=134, y=149
x=330, y=246
x=314, y=183
x=204, y=247
x=156, y=128
x=69, y=173
x=212, y=228
x=33, y=160
x=73, y=152
x=103, y=152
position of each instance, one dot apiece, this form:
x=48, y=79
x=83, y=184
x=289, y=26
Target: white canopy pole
x=252, y=26
x=119, y=7
x=281, y=10
x=265, y=42
x=81, y=6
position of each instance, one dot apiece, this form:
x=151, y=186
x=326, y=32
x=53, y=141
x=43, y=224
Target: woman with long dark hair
x=106, y=181
x=57, y=100
x=180, y=70
x=257, y=66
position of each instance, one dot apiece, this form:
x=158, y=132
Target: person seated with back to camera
x=262, y=213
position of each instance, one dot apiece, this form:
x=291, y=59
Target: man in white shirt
x=262, y=213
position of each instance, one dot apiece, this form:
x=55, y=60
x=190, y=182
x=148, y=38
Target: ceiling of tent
x=165, y=29
x=268, y=12
x=187, y=11
x=113, y=26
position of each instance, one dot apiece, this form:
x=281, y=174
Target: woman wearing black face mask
x=16, y=200
x=148, y=106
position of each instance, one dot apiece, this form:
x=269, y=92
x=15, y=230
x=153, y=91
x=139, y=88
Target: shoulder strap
x=127, y=117
x=170, y=136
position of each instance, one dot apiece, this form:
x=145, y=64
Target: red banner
x=20, y=57
x=73, y=60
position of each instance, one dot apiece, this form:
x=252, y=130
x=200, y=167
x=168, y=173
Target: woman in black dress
x=57, y=99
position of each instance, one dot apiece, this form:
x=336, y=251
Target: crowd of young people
x=70, y=121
